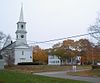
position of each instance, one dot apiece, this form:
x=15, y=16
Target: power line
x=74, y=36
x=65, y=38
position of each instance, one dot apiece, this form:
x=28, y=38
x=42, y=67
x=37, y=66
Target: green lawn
x=16, y=77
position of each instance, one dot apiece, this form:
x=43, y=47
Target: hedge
x=95, y=66
x=29, y=63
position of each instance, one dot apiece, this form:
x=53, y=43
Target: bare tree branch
x=95, y=28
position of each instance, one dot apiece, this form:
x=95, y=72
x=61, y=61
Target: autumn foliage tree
x=96, y=54
x=96, y=28
x=85, y=47
x=39, y=55
x=71, y=52
x=64, y=51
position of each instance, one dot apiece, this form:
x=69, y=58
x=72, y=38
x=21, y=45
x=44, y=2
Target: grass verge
x=16, y=77
x=91, y=73
x=43, y=68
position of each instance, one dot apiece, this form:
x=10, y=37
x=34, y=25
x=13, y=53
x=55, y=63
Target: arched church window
x=22, y=36
x=22, y=26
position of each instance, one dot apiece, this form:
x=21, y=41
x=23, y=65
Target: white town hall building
x=18, y=51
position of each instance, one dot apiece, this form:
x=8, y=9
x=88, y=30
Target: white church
x=18, y=51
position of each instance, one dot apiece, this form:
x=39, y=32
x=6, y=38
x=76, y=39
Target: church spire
x=21, y=18
x=21, y=29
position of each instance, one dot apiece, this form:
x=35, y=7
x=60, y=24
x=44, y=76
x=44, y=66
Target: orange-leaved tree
x=39, y=55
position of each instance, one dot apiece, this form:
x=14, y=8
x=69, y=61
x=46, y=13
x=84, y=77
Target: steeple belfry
x=21, y=29
x=21, y=18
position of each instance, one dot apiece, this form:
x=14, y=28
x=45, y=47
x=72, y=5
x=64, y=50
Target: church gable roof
x=10, y=46
x=15, y=45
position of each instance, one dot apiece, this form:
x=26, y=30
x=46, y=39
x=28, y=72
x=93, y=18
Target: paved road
x=63, y=74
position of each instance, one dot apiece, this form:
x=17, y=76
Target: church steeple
x=21, y=29
x=21, y=18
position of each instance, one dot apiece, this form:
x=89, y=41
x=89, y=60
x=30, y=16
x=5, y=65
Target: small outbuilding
x=53, y=60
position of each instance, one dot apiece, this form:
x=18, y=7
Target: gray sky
x=49, y=19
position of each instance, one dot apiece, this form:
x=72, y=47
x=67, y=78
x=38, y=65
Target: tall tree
x=96, y=53
x=64, y=50
x=39, y=55
x=61, y=53
x=85, y=50
x=2, y=36
x=71, y=51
